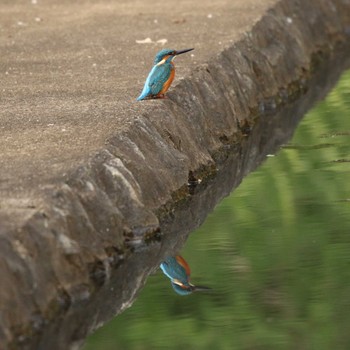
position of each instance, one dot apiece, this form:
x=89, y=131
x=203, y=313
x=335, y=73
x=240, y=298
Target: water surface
x=276, y=252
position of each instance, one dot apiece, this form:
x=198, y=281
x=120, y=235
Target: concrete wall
x=96, y=188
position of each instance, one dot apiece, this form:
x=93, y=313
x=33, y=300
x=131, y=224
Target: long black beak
x=182, y=51
x=200, y=288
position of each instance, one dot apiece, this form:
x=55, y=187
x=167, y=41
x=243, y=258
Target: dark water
x=276, y=253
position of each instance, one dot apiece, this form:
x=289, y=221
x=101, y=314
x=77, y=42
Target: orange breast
x=169, y=81
x=184, y=264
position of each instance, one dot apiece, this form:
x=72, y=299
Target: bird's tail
x=143, y=95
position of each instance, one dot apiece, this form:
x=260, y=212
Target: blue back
x=158, y=76
x=174, y=270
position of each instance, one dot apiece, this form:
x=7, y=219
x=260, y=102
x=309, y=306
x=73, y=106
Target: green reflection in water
x=276, y=252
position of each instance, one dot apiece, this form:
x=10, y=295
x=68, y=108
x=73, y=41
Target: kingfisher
x=162, y=74
x=178, y=270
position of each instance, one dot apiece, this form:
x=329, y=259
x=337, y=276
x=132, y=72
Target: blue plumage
x=177, y=269
x=161, y=75
x=174, y=270
x=178, y=275
x=155, y=80
x=162, y=53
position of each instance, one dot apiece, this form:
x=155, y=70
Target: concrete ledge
x=83, y=223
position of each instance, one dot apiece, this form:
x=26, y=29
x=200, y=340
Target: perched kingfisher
x=177, y=269
x=161, y=75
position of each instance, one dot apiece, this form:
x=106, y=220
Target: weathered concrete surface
x=88, y=174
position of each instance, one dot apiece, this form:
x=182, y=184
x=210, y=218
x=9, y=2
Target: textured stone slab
x=95, y=188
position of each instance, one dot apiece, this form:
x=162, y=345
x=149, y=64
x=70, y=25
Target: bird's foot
x=162, y=96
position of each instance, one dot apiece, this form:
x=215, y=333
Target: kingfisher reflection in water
x=179, y=272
